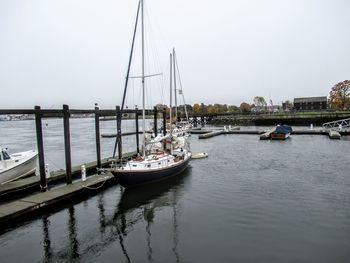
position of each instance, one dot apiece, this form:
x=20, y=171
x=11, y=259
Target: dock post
x=119, y=132
x=164, y=121
x=39, y=138
x=67, y=151
x=137, y=130
x=97, y=135
x=164, y=127
x=155, y=115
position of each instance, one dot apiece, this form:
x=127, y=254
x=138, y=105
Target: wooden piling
x=164, y=126
x=137, y=131
x=67, y=149
x=119, y=132
x=155, y=115
x=164, y=121
x=39, y=138
x=97, y=136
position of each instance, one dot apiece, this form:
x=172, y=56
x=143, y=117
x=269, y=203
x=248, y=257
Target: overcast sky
x=229, y=51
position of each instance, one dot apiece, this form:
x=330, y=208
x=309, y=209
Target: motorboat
x=281, y=132
x=16, y=165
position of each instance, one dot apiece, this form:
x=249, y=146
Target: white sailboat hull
x=20, y=165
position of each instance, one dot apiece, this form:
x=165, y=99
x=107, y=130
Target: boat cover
x=283, y=129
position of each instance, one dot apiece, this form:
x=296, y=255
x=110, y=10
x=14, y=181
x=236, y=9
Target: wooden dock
x=334, y=135
x=265, y=134
x=26, y=207
x=210, y=134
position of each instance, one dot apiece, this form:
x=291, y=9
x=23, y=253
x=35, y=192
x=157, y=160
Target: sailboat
x=154, y=165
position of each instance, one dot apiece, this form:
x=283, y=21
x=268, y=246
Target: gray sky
x=229, y=51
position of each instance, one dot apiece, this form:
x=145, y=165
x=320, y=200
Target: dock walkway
x=32, y=184
x=25, y=207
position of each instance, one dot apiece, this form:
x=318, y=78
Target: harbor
x=165, y=131
x=15, y=205
x=159, y=222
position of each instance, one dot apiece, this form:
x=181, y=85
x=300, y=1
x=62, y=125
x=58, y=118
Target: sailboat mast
x=171, y=101
x=143, y=81
x=175, y=84
x=183, y=96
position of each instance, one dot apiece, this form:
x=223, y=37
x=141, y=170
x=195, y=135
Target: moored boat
x=155, y=163
x=281, y=132
x=16, y=165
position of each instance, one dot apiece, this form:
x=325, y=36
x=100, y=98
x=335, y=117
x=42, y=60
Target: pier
x=26, y=197
x=265, y=134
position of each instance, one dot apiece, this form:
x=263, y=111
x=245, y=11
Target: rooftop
x=310, y=99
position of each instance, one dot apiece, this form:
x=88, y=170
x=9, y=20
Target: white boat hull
x=20, y=165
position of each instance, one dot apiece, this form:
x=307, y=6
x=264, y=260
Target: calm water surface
x=249, y=201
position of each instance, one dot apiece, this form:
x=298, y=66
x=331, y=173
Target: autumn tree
x=232, y=108
x=245, y=107
x=212, y=109
x=339, y=96
x=260, y=101
x=196, y=108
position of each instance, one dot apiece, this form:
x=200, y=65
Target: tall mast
x=171, y=101
x=175, y=84
x=143, y=81
x=127, y=75
x=182, y=93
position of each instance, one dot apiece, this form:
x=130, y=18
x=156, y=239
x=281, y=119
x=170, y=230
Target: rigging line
x=148, y=45
x=128, y=71
x=155, y=55
x=183, y=96
x=147, y=76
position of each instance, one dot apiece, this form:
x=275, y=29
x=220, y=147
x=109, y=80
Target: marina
x=115, y=164
x=164, y=221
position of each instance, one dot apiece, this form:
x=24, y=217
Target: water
x=249, y=201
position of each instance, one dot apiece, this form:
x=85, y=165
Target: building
x=310, y=103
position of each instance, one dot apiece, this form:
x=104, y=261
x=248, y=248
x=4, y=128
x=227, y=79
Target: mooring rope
x=95, y=188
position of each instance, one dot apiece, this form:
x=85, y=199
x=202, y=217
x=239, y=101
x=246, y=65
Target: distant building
x=287, y=105
x=310, y=103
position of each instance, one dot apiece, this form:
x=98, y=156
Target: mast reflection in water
x=134, y=210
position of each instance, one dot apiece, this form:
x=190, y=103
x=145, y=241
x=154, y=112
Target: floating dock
x=334, y=135
x=265, y=134
x=26, y=207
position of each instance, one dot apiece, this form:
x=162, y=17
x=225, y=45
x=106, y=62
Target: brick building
x=311, y=103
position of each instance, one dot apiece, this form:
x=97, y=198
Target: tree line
x=339, y=99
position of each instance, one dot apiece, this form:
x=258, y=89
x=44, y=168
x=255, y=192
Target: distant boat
x=281, y=132
x=16, y=165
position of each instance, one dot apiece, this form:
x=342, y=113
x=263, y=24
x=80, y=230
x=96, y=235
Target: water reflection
x=46, y=240
x=162, y=194
x=74, y=244
x=134, y=206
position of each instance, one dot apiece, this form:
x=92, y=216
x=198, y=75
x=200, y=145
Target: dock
x=210, y=134
x=265, y=134
x=24, y=198
x=29, y=206
x=334, y=135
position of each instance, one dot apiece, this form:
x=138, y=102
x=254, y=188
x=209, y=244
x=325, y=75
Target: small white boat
x=199, y=155
x=16, y=165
